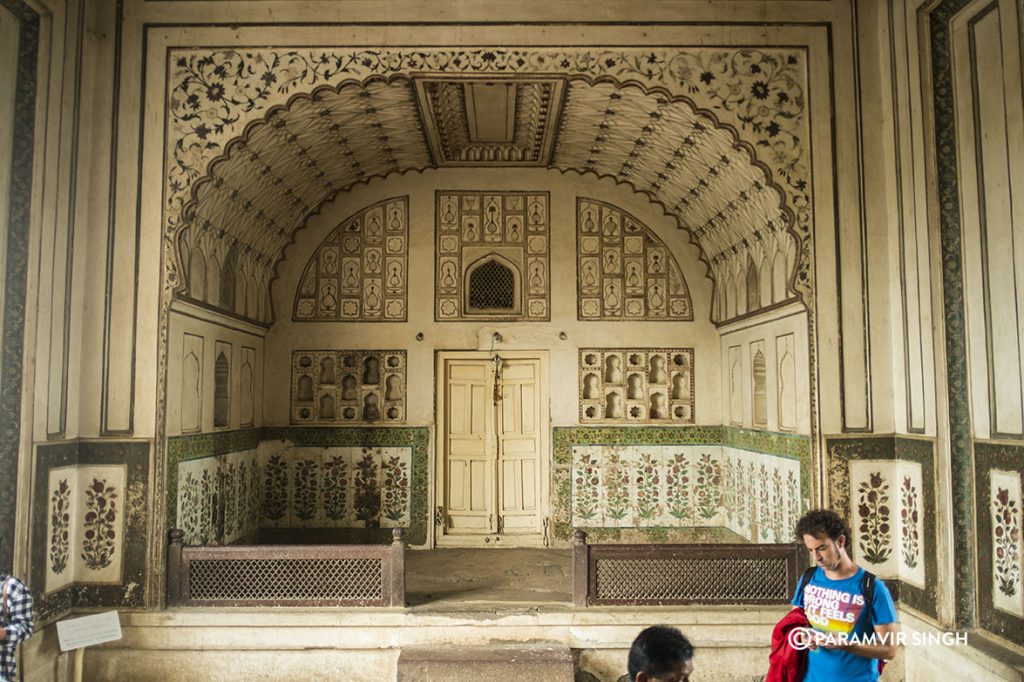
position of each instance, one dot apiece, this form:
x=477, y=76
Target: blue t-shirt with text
x=834, y=606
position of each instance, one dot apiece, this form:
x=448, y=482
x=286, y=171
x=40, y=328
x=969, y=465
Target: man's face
x=826, y=552
x=678, y=673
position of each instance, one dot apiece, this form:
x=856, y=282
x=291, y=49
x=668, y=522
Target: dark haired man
x=15, y=621
x=844, y=605
x=660, y=654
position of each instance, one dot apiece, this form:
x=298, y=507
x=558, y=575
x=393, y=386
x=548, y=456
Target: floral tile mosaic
x=886, y=519
x=1005, y=508
x=754, y=495
x=226, y=486
x=619, y=482
x=89, y=525
x=335, y=487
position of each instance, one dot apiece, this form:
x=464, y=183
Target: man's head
x=660, y=654
x=826, y=536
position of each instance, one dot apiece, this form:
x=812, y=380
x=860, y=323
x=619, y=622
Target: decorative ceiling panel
x=490, y=122
x=258, y=140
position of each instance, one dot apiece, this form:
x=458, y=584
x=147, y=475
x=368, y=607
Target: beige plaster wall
x=286, y=336
x=196, y=329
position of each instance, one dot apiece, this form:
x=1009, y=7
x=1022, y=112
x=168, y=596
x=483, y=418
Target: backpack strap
x=4, y=600
x=867, y=588
x=804, y=579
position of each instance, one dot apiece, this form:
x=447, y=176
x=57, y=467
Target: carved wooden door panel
x=470, y=447
x=519, y=446
x=492, y=440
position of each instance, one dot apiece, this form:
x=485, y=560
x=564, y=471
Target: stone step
x=536, y=662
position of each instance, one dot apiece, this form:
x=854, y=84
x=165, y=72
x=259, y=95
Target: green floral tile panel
x=336, y=487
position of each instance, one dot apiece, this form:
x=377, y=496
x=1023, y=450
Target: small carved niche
x=348, y=387
x=642, y=385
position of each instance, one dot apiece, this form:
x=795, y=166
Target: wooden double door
x=492, y=444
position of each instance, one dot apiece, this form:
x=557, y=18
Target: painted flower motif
x=778, y=521
x=98, y=542
x=764, y=493
x=617, y=488
x=335, y=488
x=677, y=486
x=873, y=508
x=759, y=90
x=910, y=549
x=648, y=505
x=367, y=490
x=306, y=489
x=585, y=488
x=275, y=488
x=395, y=501
x=60, y=521
x=792, y=500
x=1006, y=566
x=709, y=486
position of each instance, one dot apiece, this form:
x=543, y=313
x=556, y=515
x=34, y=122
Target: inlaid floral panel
x=755, y=495
x=638, y=385
x=85, y=525
x=624, y=271
x=336, y=487
x=1007, y=553
x=218, y=499
x=348, y=386
x=507, y=229
x=359, y=273
x=886, y=519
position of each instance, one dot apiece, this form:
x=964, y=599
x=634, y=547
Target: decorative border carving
x=474, y=225
x=16, y=266
x=636, y=385
x=348, y=386
x=359, y=273
x=624, y=271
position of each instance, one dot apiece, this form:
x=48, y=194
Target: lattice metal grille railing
x=699, y=579
x=282, y=580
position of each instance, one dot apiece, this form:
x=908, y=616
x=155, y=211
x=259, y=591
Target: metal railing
x=286, y=575
x=630, y=575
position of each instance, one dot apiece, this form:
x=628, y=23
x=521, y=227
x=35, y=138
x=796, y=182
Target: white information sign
x=75, y=633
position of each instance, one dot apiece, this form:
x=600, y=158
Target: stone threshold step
x=545, y=662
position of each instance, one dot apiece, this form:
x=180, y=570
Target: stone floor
x=451, y=577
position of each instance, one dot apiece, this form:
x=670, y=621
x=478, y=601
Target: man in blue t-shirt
x=840, y=647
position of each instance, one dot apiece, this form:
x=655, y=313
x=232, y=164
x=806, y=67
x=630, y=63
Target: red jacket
x=787, y=663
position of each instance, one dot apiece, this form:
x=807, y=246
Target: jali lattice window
x=492, y=287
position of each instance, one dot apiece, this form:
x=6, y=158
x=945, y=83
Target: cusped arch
x=297, y=156
x=493, y=286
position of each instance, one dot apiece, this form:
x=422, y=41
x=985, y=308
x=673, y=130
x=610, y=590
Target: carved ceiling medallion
x=490, y=121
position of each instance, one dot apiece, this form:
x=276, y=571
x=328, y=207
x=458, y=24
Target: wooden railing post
x=580, y=569
x=396, y=595
x=174, y=597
